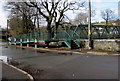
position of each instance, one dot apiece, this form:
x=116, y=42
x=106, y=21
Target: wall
x=103, y=44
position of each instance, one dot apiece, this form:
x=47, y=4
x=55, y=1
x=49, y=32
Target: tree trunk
x=106, y=22
x=49, y=30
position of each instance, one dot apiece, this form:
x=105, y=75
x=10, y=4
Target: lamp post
x=89, y=24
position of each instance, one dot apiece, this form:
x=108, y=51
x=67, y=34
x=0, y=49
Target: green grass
x=103, y=23
x=99, y=24
x=2, y=40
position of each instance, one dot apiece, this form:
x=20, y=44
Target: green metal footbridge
x=71, y=38
x=67, y=37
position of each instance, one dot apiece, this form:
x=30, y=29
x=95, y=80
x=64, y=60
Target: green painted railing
x=75, y=33
x=65, y=36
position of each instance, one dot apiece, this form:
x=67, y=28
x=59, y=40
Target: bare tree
x=26, y=16
x=107, y=15
x=81, y=18
x=54, y=11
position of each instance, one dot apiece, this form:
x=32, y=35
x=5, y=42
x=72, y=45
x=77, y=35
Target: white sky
x=3, y=15
x=98, y=5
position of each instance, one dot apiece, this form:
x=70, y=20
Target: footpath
x=78, y=51
x=74, y=51
x=11, y=73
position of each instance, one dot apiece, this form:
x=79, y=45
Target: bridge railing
x=62, y=35
x=99, y=31
x=73, y=35
x=80, y=32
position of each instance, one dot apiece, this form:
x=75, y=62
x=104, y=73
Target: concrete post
x=20, y=42
x=35, y=43
x=9, y=41
x=27, y=45
x=15, y=40
x=27, y=42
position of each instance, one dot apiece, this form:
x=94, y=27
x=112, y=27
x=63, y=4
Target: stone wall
x=103, y=44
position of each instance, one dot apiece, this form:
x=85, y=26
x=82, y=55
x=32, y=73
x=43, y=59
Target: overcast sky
x=98, y=5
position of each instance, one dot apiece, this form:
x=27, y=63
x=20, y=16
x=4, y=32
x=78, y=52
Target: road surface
x=58, y=66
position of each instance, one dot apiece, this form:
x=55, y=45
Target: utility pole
x=7, y=31
x=89, y=24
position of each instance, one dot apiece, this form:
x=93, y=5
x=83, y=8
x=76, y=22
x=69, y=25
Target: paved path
x=9, y=74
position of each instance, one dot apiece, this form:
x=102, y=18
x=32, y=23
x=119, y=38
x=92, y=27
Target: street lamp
x=89, y=24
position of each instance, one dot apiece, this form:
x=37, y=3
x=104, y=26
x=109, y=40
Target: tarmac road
x=60, y=66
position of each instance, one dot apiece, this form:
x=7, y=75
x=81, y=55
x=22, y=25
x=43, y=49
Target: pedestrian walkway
x=11, y=74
